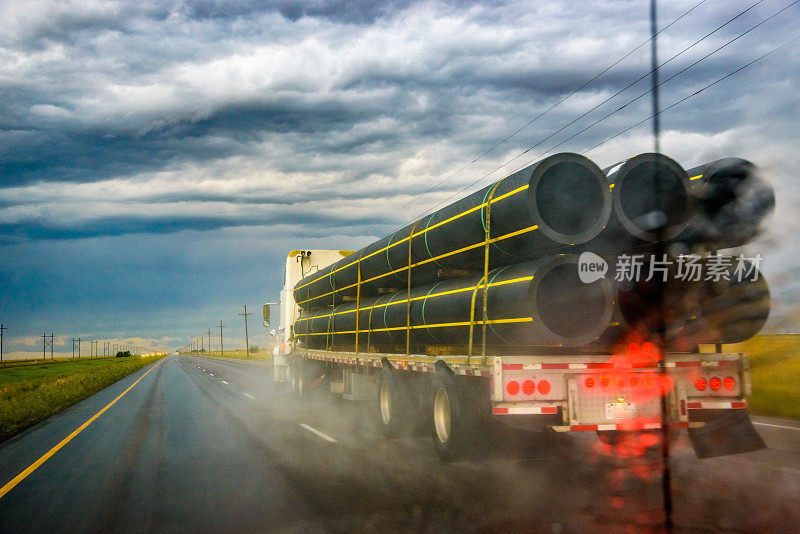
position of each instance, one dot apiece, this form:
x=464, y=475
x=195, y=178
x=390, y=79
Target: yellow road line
x=696, y=177
x=35, y=465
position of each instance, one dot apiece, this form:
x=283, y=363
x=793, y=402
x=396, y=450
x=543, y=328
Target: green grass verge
x=32, y=391
x=775, y=373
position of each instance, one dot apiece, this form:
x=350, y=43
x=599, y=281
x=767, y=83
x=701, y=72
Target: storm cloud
x=141, y=125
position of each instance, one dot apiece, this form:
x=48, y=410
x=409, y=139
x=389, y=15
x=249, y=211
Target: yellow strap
x=464, y=249
x=472, y=316
x=408, y=293
x=440, y=325
x=412, y=235
x=486, y=269
x=432, y=295
x=358, y=300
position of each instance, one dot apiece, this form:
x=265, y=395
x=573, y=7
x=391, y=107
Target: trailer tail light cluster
x=700, y=384
x=728, y=383
x=647, y=381
x=528, y=387
x=715, y=383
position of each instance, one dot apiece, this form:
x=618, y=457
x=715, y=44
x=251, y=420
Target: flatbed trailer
x=453, y=391
x=457, y=394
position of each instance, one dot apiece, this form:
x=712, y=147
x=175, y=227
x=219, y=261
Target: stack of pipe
x=530, y=303
x=539, y=218
x=542, y=210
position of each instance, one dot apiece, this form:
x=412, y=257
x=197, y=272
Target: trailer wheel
x=455, y=420
x=394, y=403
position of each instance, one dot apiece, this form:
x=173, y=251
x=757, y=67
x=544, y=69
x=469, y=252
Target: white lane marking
x=776, y=426
x=249, y=396
x=210, y=374
x=317, y=432
x=224, y=382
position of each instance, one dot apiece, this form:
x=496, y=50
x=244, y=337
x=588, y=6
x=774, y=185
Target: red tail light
x=544, y=387
x=512, y=387
x=715, y=383
x=729, y=383
x=700, y=384
x=529, y=387
x=589, y=382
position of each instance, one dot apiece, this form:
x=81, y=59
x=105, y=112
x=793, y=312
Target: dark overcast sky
x=159, y=158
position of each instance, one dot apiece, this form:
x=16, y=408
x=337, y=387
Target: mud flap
x=725, y=432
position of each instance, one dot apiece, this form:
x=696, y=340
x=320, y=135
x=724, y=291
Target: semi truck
x=556, y=297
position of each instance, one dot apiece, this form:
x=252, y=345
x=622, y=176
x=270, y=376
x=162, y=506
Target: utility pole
x=93, y=349
x=44, y=346
x=209, y=341
x=202, y=344
x=2, y=327
x=246, y=339
x=221, y=348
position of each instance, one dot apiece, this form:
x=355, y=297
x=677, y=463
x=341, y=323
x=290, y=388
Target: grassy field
x=32, y=391
x=261, y=355
x=775, y=371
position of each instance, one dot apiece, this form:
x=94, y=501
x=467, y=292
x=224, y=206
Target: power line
x=542, y=114
x=684, y=99
x=604, y=102
x=666, y=473
x=246, y=339
x=45, y=344
x=659, y=84
x=221, y=347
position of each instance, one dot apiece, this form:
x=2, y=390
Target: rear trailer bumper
x=598, y=394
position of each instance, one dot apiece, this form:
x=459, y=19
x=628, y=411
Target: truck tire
x=455, y=419
x=395, y=409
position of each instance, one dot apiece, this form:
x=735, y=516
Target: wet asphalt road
x=209, y=445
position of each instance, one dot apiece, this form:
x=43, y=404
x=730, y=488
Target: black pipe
x=732, y=202
x=539, y=303
x=544, y=209
x=638, y=215
x=729, y=309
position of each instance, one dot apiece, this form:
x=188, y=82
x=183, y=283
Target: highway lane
x=205, y=444
x=159, y=459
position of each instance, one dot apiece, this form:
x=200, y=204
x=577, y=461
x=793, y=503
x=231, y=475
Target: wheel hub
x=441, y=415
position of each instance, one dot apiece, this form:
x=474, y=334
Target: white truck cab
x=299, y=264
